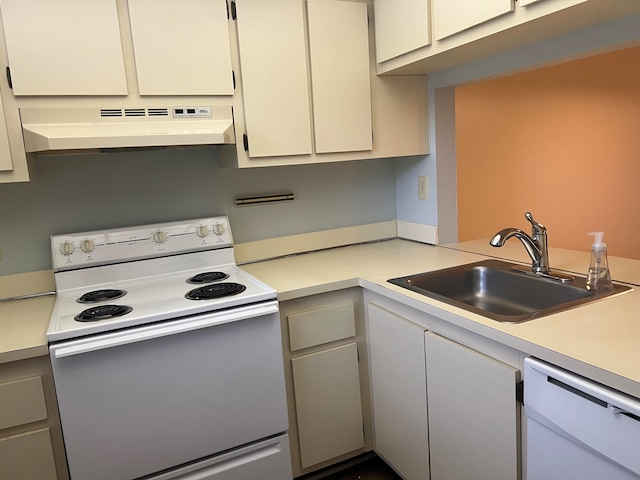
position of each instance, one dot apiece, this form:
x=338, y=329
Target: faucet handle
x=536, y=228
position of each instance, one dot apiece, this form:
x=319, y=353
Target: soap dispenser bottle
x=599, y=277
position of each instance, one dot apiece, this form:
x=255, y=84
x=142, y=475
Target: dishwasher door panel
x=138, y=407
x=578, y=429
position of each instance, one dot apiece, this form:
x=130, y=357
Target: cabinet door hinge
x=234, y=13
x=520, y=392
x=245, y=142
x=9, y=81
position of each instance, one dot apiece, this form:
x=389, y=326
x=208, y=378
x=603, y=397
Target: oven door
x=140, y=401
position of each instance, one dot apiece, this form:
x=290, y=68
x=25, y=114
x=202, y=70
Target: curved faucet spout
x=536, y=254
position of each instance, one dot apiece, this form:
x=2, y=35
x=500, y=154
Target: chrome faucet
x=535, y=245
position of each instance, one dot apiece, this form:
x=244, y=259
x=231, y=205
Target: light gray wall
x=75, y=193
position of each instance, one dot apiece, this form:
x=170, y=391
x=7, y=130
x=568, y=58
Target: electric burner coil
x=102, y=312
x=215, y=290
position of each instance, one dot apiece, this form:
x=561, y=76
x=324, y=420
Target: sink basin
x=491, y=288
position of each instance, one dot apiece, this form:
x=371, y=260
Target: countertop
x=600, y=340
x=23, y=328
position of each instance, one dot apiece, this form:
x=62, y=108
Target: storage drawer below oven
x=260, y=461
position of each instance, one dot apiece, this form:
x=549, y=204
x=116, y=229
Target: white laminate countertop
x=600, y=340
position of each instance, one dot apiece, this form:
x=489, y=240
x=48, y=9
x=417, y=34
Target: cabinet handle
x=233, y=11
x=245, y=142
x=9, y=81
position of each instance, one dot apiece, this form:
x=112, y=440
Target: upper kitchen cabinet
x=341, y=86
x=181, y=47
x=276, y=82
x=308, y=91
x=454, y=16
x=13, y=159
x=401, y=26
x=272, y=44
x=468, y=30
x=67, y=47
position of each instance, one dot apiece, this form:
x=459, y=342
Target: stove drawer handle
x=162, y=330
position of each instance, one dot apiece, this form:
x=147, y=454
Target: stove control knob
x=67, y=248
x=87, y=245
x=219, y=229
x=202, y=231
x=159, y=236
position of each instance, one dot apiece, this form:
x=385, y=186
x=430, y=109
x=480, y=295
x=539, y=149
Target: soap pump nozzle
x=599, y=277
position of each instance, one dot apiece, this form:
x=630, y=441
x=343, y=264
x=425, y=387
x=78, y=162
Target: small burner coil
x=207, y=277
x=102, y=312
x=103, y=295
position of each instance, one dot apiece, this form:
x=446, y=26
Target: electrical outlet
x=423, y=191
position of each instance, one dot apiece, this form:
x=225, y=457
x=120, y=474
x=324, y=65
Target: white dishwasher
x=578, y=429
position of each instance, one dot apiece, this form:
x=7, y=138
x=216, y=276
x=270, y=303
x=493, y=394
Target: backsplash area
x=561, y=142
x=96, y=191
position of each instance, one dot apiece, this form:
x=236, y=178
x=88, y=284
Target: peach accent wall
x=562, y=142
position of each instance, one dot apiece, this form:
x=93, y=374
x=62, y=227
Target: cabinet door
x=401, y=26
x=6, y=162
x=453, y=16
x=339, y=53
x=399, y=392
x=275, y=82
x=473, y=414
x=328, y=403
x=66, y=47
x=181, y=47
x=27, y=456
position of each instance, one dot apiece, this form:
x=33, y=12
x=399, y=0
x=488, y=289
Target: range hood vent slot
x=134, y=112
x=111, y=112
x=158, y=112
x=62, y=129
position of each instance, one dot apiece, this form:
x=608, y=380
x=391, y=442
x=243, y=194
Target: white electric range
x=167, y=356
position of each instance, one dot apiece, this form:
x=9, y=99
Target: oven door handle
x=77, y=347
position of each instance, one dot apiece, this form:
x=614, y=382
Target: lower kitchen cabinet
x=328, y=403
x=30, y=436
x=398, y=392
x=326, y=375
x=444, y=399
x=473, y=413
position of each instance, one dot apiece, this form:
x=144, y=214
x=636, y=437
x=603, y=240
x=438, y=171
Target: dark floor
x=370, y=469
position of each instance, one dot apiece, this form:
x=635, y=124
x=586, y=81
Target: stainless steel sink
x=491, y=288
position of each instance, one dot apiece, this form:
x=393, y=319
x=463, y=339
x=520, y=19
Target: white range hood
x=64, y=129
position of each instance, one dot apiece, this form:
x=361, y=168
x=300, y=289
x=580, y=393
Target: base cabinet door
x=399, y=392
x=473, y=413
x=27, y=456
x=325, y=358
x=328, y=404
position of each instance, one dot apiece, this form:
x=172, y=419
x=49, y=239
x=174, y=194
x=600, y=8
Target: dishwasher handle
x=149, y=332
x=615, y=402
